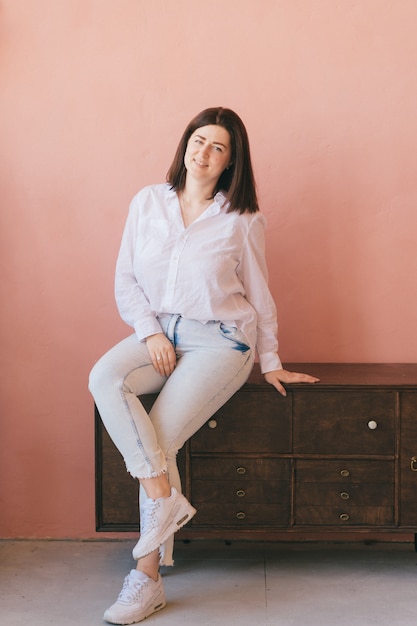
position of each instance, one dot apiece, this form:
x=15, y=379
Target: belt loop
x=170, y=333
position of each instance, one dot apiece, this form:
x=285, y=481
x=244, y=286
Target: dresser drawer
x=258, y=421
x=210, y=514
x=344, y=515
x=244, y=469
x=355, y=422
x=239, y=491
x=353, y=494
x=344, y=471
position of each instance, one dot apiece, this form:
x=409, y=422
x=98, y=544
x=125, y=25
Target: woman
x=191, y=280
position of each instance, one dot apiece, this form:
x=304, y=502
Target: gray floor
x=242, y=584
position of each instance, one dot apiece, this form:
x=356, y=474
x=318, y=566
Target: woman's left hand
x=277, y=376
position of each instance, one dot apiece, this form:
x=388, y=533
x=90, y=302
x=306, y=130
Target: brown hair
x=238, y=180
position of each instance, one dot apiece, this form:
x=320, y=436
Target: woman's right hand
x=162, y=353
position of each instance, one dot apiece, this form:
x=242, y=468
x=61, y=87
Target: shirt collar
x=219, y=201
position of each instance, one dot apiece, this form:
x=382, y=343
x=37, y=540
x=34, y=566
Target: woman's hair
x=237, y=180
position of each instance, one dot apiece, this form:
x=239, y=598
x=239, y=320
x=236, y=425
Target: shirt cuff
x=269, y=362
x=146, y=328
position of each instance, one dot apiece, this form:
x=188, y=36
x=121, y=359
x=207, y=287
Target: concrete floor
x=242, y=584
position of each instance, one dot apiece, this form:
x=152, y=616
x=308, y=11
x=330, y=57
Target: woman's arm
x=132, y=303
x=255, y=279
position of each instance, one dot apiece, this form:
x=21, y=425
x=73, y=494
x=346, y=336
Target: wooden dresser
x=336, y=460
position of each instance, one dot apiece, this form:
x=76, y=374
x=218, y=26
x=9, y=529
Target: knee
x=93, y=380
x=99, y=378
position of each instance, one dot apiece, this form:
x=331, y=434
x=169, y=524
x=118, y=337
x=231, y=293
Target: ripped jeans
x=213, y=362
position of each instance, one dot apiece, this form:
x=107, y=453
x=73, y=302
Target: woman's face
x=208, y=153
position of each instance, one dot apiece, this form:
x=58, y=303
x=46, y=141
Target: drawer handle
x=413, y=464
x=212, y=424
x=240, y=493
x=345, y=473
x=344, y=495
x=241, y=470
x=344, y=517
x=372, y=425
x=241, y=515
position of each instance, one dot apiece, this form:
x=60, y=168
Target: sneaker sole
x=185, y=512
x=133, y=620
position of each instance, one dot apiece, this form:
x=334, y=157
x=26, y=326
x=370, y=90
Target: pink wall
x=94, y=96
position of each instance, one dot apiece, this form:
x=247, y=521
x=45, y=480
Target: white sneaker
x=160, y=519
x=139, y=598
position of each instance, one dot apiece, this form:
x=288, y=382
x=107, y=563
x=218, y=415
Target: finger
x=282, y=390
x=306, y=378
x=279, y=387
x=158, y=363
x=168, y=365
x=164, y=363
x=172, y=361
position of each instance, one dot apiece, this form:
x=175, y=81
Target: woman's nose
x=204, y=150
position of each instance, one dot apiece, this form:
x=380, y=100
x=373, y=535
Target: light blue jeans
x=213, y=362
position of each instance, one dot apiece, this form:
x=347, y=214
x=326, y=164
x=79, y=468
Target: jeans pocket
x=233, y=334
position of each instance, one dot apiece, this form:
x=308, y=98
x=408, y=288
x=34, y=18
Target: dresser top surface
x=400, y=375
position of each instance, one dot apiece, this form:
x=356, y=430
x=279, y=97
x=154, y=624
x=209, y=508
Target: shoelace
x=131, y=589
x=148, y=519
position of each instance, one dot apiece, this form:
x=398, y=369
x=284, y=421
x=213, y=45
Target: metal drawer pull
x=241, y=515
x=240, y=493
x=212, y=424
x=372, y=425
x=344, y=473
x=241, y=470
x=344, y=517
x=413, y=464
x=344, y=495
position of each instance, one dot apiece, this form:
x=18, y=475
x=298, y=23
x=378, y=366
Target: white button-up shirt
x=213, y=270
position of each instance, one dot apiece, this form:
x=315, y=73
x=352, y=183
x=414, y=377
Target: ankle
x=156, y=488
x=160, y=493
x=149, y=572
